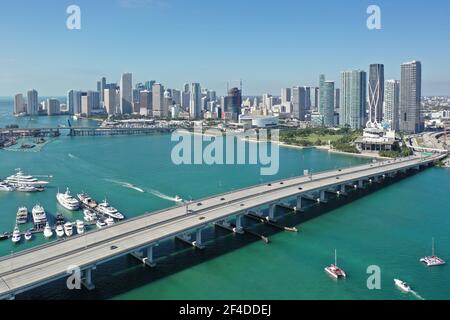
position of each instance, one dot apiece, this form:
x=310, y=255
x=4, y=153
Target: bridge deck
x=36, y=266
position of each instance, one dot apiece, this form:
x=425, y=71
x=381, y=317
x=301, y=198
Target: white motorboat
x=27, y=189
x=101, y=224
x=59, y=230
x=109, y=222
x=80, y=227
x=433, y=260
x=334, y=271
x=67, y=201
x=178, y=199
x=87, y=200
x=20, y=179
x=89, y=215
x=39, y=216
x=105, y=209
x=22, y=215
x=402, y=285
x=6, y=187
x=68, y=229
x=48, y=233
x=28, y=235
x=16, y=235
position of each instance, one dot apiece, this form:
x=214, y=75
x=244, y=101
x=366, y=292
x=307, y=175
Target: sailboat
x=433, y=260
x=334, y=271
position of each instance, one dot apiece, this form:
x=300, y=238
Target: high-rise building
x=146, y=102
x=326, y=101
x=376, y=95
x=195, y=105
x=392, y=103
x=126, y=93
x=102, y=89
x=234, y=102
x=307, y=98
x=53, y=107
x=353, y=99
x=110, y=101
x=32, y=103
x=86, y=104
x=19, y=104
x=410, y=96
x=149, y=85
x=299, y=103
x=159, y=109
x=95, y=98
x=286, y=94
x=337, y=99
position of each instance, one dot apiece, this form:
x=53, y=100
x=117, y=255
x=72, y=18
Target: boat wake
x=71, y=156
x=126, y=185
x=163, y=196
x=418, y=296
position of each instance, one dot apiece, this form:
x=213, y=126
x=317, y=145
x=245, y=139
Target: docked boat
x=20, y=179
x=67, y=201
x=105, y=209
x=109, y=222
x=27, y=189
x=87, y=200
x=39, y=216
x=22, y=215
x=68, y=229
x=101, y=224
x=433, y=260
x=89, y=215
x=16, y=235
x=6, y=187
x=334, y=271
x=80, y=227
x=28, y=235
x=59, y=230
x=402, y=285
x=48, y=233
x=60, y=219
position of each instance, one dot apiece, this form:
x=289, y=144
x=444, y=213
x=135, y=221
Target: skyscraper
x=326, y=102
x=126, y=93
x=146, y=102
x=158, y=101
x=298, y=103
x=234, y=102
x=410, y=95
x=195, y=105
x=32, y=103
x=353, y=99
x=391, y=103
x=376, y=95
x=19, y=105
x=53, y=107
x=86, y=104
x=286, y=95
x=110, y=101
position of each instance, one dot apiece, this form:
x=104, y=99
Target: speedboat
x=48, y=233
x=28, y=235
x=20, y=178
x=39, y=216
x=89, y=215
x=334, y=271
x=87, y=201
x=68, y=229
x=16, y=235
x=101, y=224
x=178, y=199
x=59, y=230
x=6, y=187
x=105, y=209
x=22, y=215
x=402, y=285
x=80, y=227
x=109, y=222
x=433, y=260
x=67, y=201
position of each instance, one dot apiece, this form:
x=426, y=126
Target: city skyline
x=65, y=63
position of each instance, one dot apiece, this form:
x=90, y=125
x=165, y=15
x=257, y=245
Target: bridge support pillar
x=239, y=228
x=361, y=184
x=272, y=211
x=198, y=243
x=299, y=206
x=323, y=196
x=87, y=279
x=149, y=260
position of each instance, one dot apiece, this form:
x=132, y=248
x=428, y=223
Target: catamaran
x=433, y=260
x=334, y=270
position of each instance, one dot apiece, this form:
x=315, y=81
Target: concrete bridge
x=140, y=236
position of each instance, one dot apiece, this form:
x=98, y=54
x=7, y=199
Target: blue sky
x=269, y=44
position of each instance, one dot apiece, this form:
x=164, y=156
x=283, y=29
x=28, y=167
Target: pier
x=91, y=132
x=140, y=236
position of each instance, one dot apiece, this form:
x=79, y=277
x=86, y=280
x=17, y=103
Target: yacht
x=22, y=215
x=101, y=224
x=16, y=235
x=80, y=227
x=26, y=188
x=39, y=216
x=28, y=235
x=87, y=201
x=20, y=178
x=433, y=260
x=48, y=233
x=105, y=209
x=6, y=187
x=109, y=222
x=60, y=219
x=60, y=230
x=68, y=229
x=334, y=270
x=67, y=201
x=402, y=285
x=89, y=215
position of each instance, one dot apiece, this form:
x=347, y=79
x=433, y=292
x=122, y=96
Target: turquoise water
x=391, y=227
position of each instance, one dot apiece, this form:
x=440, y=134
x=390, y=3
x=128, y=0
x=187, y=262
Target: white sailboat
x=334, y=271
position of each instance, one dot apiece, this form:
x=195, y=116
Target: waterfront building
x=376, y=95
x=159, y=109
x=234, y=102
x=53, y=107
x=110, y=101
x=19, y=104
x=176, y=96
x=74, y=102
x=326, y=101
x=410, y=96
x=195, y=104
x=126, y=93
x=337, y=99
x=299, y=103
x=146, y=102
x=32, y=103
x=353, y=99
x=86, y=104
x=392, y=104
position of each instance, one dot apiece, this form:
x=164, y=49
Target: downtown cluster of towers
x=359, y=103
